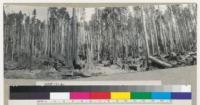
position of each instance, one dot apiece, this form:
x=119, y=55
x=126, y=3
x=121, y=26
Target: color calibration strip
x=90, y=88
x=102, y=95
x=177, y=92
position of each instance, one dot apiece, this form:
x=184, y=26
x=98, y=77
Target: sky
x=42, y=11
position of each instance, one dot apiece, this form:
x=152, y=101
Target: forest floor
x=108, y=73
x=186, y=74
x=98, y=70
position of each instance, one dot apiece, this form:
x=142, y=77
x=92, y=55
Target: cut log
x=160, y=62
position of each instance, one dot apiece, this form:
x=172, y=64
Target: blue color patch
x=181, y=95
x=161, y=95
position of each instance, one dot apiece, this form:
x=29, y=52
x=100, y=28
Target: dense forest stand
x=113, y=36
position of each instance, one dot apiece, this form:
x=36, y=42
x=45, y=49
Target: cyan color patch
x=161, y=95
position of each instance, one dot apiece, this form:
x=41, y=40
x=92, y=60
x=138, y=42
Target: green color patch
x=140, y=95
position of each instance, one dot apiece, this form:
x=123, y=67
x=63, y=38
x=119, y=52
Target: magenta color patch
x=79, y=95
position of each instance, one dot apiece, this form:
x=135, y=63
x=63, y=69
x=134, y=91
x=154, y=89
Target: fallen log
x=160, y=62
x=133, y=67
x=106, y=63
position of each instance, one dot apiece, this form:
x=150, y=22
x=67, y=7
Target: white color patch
x=59, y=95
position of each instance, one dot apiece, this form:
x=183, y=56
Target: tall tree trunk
x=146, y=37
x=74, y=36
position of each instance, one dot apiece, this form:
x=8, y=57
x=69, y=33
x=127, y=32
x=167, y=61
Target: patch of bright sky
x=89, y=12
x=41, y=12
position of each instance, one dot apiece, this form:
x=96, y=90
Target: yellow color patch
x=120, y=95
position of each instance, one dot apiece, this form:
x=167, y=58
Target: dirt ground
x=51, y=73
x=171, y=75
x=186, y=74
